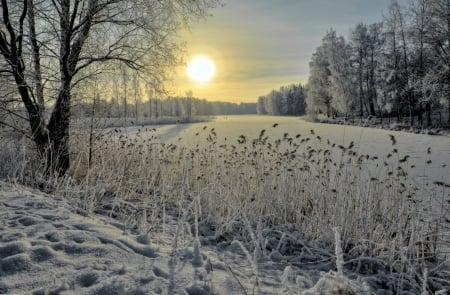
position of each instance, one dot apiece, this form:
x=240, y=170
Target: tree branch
x=23, y=132
x=21, y=21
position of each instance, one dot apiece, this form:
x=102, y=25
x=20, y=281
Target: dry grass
x=264, y=192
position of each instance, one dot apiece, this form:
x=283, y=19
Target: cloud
x=264, y=43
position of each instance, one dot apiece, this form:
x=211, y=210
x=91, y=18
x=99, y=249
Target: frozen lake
x=433, y=166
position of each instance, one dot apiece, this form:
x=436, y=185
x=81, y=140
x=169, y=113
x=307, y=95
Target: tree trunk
x=51, y=142
x=39, y=132
x=406, y=71
x=448, y=107
x=361, y=91
x=371, y=84
x=396, y=79
x=428, y=110
x=380, y=113
x=36, y=58
x=448, y=61
x=420, y=114
x=58, y=158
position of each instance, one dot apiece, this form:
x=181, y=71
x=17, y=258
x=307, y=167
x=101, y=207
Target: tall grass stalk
x=250, y=189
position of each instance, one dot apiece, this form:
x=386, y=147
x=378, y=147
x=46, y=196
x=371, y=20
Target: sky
x=260, y=45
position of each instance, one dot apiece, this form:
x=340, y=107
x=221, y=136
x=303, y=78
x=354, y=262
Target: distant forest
x=287, y=101
x=156, y=108
x=399, y=67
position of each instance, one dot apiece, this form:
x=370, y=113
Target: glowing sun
x=201, y=69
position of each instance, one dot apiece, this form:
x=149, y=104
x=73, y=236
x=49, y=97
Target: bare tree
x=75, y=35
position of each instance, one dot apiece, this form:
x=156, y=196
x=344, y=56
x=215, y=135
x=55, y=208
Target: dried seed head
x=393, y=140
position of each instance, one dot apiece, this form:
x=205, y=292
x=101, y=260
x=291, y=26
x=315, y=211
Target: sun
x=201, y=69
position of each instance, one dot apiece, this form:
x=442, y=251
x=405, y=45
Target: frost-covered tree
x=274, y=103
x=396, y=63
x=260, y=106
x=398, y=67
x=332, y=86
x=422, y=54
x=319, y=96
x=438, y=36
x=287, y=101
x=366, y=42
x=341, y=85
x=52, y=43
x=359, y=43
x=373, y=77
x=298, y=93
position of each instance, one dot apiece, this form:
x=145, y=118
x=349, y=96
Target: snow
x=49, y=246
x=371, y=141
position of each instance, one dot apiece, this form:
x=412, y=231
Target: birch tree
x=319, y=97
x=342, y=88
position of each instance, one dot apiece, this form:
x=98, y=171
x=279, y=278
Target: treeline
x=287, y=101
x=155, y=108
x=399, y=67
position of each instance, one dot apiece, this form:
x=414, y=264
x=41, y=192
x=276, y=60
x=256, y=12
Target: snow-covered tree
x=260, y=106
x=421, y=56
x=359, y=48
x=399, y=67
x=319, y=96
x=57, y=41
x=341, y=86
x=438, y=36
x=289, y=100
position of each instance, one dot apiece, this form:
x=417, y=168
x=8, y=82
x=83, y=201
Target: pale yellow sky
x=244, y=70
x=260, y=45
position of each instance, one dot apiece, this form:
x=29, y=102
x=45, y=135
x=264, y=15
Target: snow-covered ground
x=375, y=142
x=49, y=246
x=46, y=248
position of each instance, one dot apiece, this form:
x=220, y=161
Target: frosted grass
x=278, y=189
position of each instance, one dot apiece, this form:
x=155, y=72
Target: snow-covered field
x=375, y=142
x=176, y=227
x=46, y=248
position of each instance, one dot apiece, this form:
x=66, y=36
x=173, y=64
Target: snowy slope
x=45, y=248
